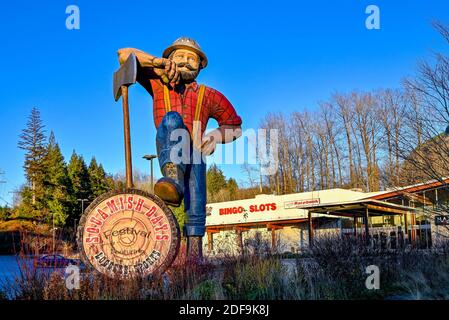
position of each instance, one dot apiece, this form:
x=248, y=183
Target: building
x=412, y=215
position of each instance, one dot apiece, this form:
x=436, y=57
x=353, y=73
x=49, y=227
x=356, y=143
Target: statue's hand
x=123, y=54
x=167, y=70
x=208, y=144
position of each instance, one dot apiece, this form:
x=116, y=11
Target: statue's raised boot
x=195, y=250
x=170, y=187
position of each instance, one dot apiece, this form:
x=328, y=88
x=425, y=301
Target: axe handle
x=127, y=129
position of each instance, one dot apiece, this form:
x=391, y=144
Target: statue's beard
x=189, y=76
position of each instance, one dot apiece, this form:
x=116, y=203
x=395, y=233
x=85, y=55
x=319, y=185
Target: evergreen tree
x=4, y=212
x=79, y=179
x=98, y=179
x=110, y=182
x=233, y=187
x=215, y=179
x=32, y=141
x=57, y=184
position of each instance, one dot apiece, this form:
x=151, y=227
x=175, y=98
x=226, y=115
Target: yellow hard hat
x=189, y=44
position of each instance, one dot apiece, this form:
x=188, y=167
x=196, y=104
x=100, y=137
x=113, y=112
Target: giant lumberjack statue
x=179, y=103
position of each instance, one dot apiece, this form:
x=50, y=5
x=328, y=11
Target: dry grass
x=22, y=226
x=332, y=269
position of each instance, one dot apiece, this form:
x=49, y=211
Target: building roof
x=359, y=208
x=394, y=192
x=267, y=208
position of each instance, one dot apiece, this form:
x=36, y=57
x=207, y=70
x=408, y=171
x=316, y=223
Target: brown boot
x=170, y=187
x=195, y=250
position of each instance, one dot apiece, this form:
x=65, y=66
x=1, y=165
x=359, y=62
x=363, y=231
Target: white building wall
x=271, y=208
x=266, y=208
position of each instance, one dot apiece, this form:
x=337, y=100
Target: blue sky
x=264, y=56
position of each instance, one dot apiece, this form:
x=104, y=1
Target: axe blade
x=126, y=75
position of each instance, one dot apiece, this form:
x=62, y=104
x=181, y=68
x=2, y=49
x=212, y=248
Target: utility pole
x=151, y=157
x=82, y=204
x=82, y=200
x=82, y=212
x=14, y=197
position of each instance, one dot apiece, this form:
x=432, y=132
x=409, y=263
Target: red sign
x=300, y=203
x=252, y=208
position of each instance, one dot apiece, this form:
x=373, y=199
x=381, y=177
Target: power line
x=6, y=201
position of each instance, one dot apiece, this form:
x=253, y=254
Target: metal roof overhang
x=359, y=208
x=412, y=189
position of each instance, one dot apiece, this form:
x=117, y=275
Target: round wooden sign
x=128, y=233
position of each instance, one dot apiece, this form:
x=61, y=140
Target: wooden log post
x=240, y=240
x=210, y=241
x=310, y=223
x=401, y=232
x=413, y=231
x=406, y=228
x=273, y=239
x=367, y=235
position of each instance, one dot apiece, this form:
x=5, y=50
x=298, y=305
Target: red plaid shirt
x=215, y=105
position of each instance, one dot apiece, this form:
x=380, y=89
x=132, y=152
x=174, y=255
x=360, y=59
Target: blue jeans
x=194, y=167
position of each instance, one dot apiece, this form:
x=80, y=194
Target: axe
x=124, y=77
